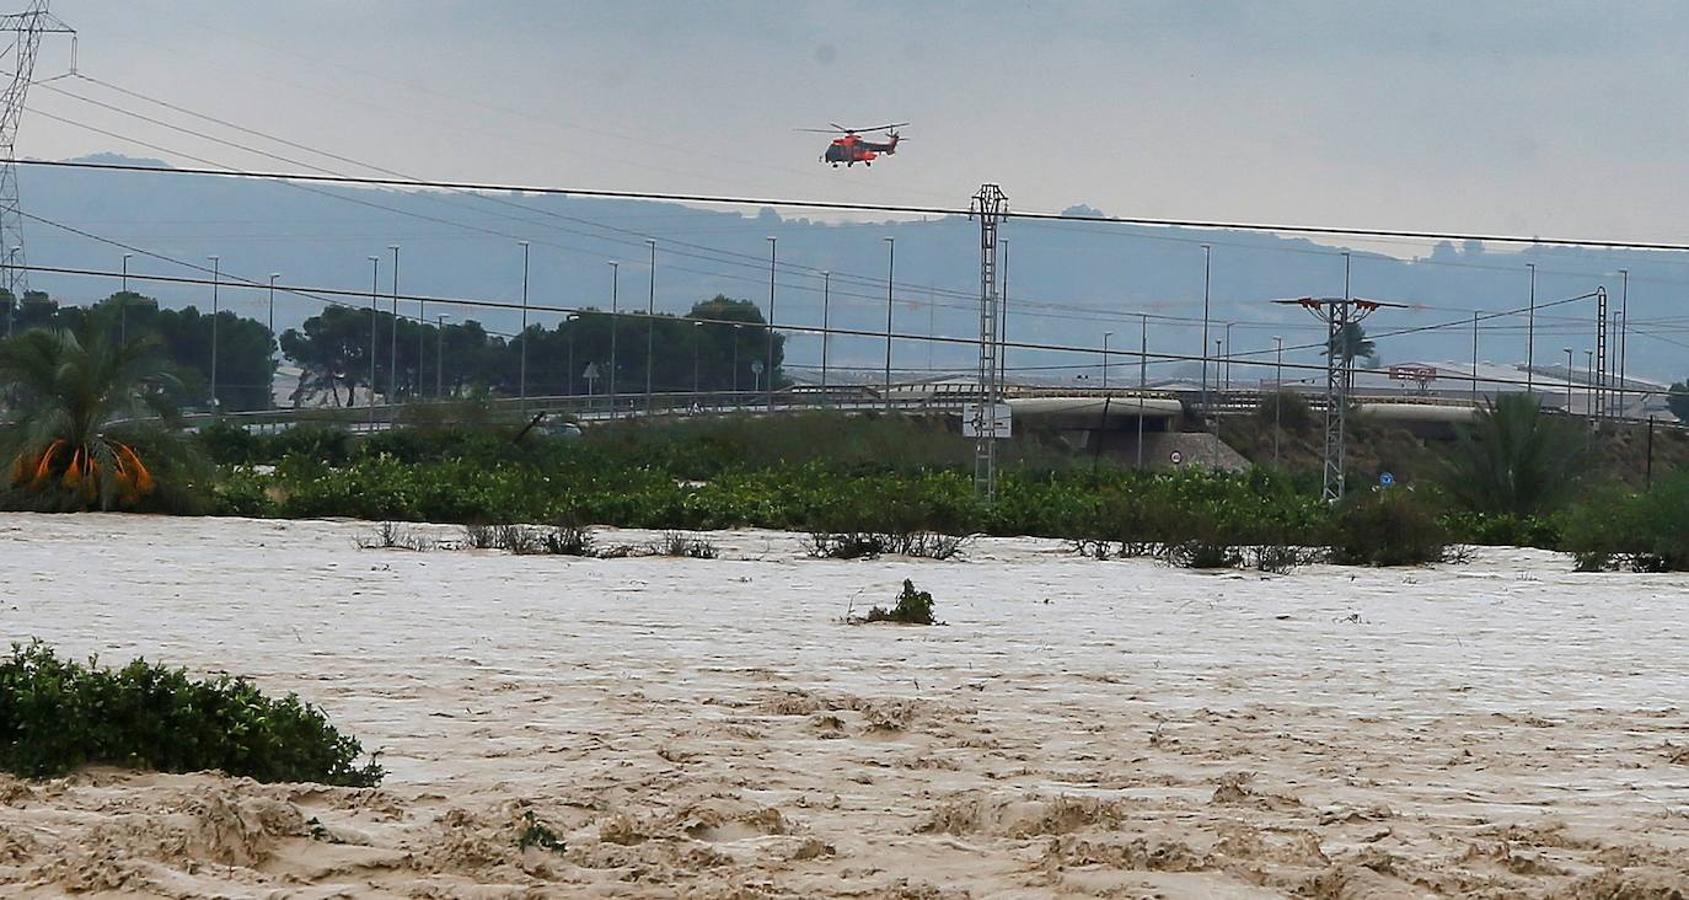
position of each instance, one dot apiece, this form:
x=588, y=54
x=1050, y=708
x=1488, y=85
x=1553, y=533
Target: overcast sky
x=1552, y=118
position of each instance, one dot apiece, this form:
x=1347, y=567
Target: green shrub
x=1505, y=530
x=913, y=608
x=1646, y=531
x=1389, y=527
x=58, y=715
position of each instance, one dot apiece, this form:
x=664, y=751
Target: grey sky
x=1548, y=118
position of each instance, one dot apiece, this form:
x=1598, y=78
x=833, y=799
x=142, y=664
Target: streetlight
x=1531, y=334
x=440, y=355
x=773, y=244
x=826, y=334
x=216, y=270
x=1588, y=381
x=569, y=380
x=891, y=263
x=12, y=308
x=697, y=342
x=1229, y=355
x=1143, y=379
x=1207, y=260
x=1568, y=379
x=615, y=315
x=522, y=365
x=273, y=277
x=393, y=358
x=374, y=316
x=650, y=325
x=1278, y=396
x=736, y=330
x=123, y=303
x=1106, y=336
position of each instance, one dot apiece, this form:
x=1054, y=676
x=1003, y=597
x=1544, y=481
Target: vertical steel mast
x=27, y=27
x=989, y=205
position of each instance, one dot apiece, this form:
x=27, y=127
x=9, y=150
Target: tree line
x=721, y=344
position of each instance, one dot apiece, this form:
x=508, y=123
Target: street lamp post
x=697, y=342
x=569, y=375
x=1568, y=379
x=1278, y=396
x=1229, y=355
x=216, y=272
x=272, y=316
x=826, y=334
x=522, y=363
x=374, y=316
x=773, y=245
x=1207, y=260
x=1588, y=383
x=1106, y=336
x=1143, y=380
x=440, y=356
x=891, y=265
x=736, y=330
x=650, y=325
x=123, y=303
x=1531, y=334
x=615, y=315
x=12, y=307
x=393, y=350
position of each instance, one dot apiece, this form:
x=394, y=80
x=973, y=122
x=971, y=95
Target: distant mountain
x=1068, y=282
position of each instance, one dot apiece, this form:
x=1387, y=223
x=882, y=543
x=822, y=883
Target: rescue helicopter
x=851, y=148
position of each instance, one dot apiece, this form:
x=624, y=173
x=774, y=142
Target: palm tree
x=1514, y=459
x=86, y=418
x=1350, y=342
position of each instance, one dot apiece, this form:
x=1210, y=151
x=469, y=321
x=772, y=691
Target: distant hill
x=1068, y=282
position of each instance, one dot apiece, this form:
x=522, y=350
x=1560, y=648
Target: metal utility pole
x=615, y=316
x=697, y=341
x=272, y=316
x=891, y=266
x=569, y=372
x=1599, y=354
x=1228, y=361
x=773, y=245
x=1143, y=379
x=123, y=305
x=28, y=27
x=989, y=205
x=216, y=272
x=1207, y=258
x=393, y=351
x=522, y=364
x=440, y=356
x=374, y=315
x=826, y=334
x=1624, y=331
x=1589, y=376
x=1003, y=322
x=1568, y=351
x=650, y=325
x=1106, y=336
x=1338, y=313
x=1531, y=333
x=1278, y=396
x=1474, y=359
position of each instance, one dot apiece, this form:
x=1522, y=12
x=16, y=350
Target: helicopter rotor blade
x=884, y=127
x=817, y=130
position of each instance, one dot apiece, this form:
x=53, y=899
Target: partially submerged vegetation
x=58, y=715
x=913, y=607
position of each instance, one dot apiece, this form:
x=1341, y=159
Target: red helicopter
x=852, y=149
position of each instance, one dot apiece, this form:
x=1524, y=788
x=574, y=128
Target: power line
x=846, y=206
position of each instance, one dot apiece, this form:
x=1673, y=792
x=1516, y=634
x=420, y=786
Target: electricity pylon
x=27, y=28
x=1338, y=313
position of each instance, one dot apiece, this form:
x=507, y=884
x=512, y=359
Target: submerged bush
x=913, y=608
x=57, y=715
x=1386, y=528
x=676, y=544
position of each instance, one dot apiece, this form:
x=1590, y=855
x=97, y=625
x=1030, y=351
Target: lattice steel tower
x=989, y=205
x=1338, y=313
x=27, y=27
